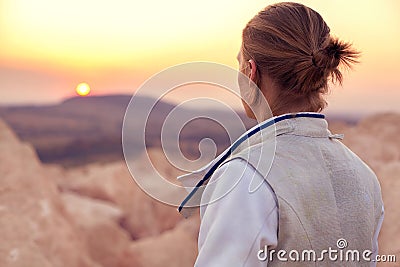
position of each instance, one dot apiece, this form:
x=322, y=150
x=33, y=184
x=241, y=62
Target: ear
x=253, y=70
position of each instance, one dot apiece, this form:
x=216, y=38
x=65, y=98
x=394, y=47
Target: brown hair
x=292, y=44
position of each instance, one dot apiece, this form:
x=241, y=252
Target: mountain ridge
x=80, y=130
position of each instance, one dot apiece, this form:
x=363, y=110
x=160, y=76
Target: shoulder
x=235, y=172
x=238, y=182
x=229, y=175
x=235, y=166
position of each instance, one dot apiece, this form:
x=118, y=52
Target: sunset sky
x=48, y=47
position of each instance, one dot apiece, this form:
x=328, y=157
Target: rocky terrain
x=90, y=216
x=96, y=215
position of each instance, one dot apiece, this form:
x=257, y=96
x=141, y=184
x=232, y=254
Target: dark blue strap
x=244, y=137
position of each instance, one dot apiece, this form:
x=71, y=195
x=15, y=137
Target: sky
x=48, y=47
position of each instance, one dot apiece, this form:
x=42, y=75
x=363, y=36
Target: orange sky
x=47, y=47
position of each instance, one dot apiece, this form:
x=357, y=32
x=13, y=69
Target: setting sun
x=83, y=89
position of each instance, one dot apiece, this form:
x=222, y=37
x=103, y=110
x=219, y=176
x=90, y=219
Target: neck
x=283, y=101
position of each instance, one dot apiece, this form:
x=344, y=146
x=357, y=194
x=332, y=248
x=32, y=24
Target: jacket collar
x=303, y=123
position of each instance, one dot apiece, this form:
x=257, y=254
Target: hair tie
x=313, y=60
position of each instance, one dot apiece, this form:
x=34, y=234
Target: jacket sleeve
x=237, y=225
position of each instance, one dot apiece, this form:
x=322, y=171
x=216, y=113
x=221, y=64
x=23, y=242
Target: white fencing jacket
x=236, y=224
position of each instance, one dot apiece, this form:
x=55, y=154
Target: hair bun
x=327, y=58
x=336, y=52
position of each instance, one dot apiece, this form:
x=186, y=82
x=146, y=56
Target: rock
x=98, y=222
x=144, y=216
x=88, y=211
x=176, y=247
x=34, y=227
x=375, y=139
x=389, y=238
x=17, y=247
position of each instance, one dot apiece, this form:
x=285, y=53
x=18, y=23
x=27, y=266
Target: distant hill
x=81, y=130
x=88, y=129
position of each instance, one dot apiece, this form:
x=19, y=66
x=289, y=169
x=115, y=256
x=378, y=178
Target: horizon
x=42, y=62
x=350, y=115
